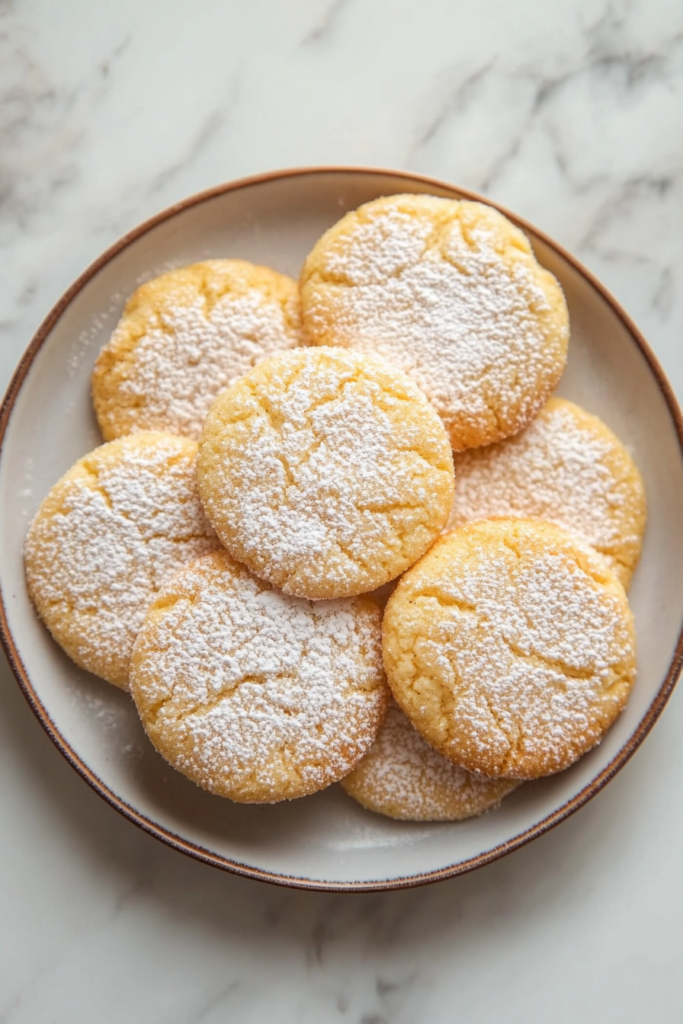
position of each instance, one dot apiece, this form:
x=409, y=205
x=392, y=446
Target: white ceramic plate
x=326, y=841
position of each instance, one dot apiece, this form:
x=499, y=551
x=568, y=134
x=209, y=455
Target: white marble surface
x=571, y=114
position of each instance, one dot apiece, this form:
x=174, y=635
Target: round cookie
x=402, y=777
x=184, y=337
x=566, y=467
x=108, y=534
x=511, y=647
x=254, y=695
x=326, y=472
x=450, y=292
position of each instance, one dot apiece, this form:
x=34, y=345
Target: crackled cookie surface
x=325, y=471
x=252, y=694
x=566, y=467
x=185, y=336
x=511, y=647
x=402, y=777
x=108, y=534
x=450, y=292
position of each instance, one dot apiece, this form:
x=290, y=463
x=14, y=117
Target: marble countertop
x=572, y=115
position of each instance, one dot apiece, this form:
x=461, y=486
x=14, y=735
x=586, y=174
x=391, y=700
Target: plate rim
x=195, y=850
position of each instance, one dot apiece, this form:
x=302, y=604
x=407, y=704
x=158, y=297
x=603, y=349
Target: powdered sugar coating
x=254, y=695
x=511, y=647
x=451, y=293
x=325, y=471
x=104, y=540
x=403, y=777
x=566, y=467
x=184, y=337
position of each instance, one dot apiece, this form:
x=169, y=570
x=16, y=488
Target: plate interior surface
x=326, y=840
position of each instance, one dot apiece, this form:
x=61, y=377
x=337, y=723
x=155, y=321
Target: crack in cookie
x=511, y=647
x=326, y=472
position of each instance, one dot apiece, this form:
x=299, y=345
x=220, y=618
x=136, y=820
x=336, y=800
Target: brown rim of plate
x=198, y=852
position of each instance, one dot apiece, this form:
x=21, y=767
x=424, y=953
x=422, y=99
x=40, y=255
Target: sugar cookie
x=511, y=647
x=108, y=534
x=566, y=467
x=451, y=293
x=325, y=471
x=402, y=777
x=184, y=337
x=254, y=695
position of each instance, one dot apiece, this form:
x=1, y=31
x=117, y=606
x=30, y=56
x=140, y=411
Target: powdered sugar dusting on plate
x=253, y=694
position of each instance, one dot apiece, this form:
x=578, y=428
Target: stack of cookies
x=279, y=456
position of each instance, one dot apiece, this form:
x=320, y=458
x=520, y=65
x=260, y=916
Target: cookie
x=511, y=647
x=566, y=467
x=403, y=777
x=184, y=337
x=451, y=293
x=325, y=471
x=108, y=534
x=254, y=695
